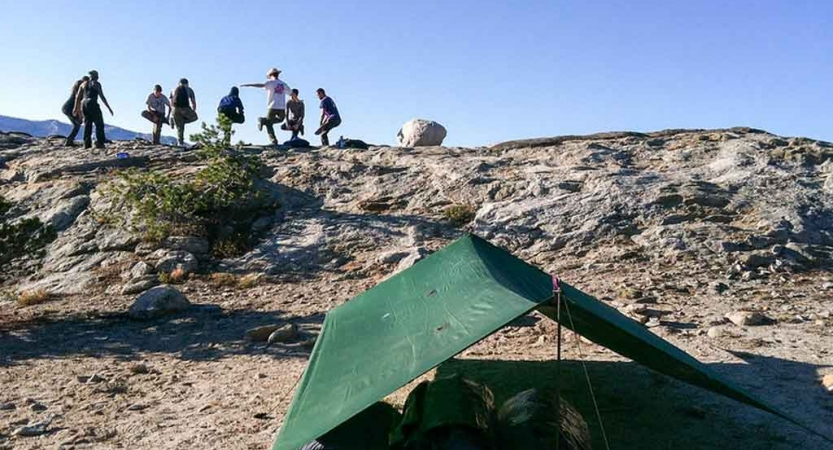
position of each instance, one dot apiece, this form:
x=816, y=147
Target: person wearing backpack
x=185, y=109
x=86, y=103
x=68, y=108
x=158, y=111
x=276, y=91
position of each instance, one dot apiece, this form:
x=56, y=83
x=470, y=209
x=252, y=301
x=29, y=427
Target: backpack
x=297, y=143
x=181, y=97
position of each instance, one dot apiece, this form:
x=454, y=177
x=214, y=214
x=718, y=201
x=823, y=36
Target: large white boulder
x=421, y=133
x=157, y=302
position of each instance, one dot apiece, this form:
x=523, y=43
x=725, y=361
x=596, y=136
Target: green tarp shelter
x=400, y=329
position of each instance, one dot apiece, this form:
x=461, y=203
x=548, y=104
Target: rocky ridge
x=708, y=237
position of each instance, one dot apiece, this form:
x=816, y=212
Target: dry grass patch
x=177, y=276
x=460, y=215
x=248, y=281
x=223, y=279
x=35, y=297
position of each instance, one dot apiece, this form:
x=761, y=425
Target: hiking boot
x=70, y=144
x=260, y=123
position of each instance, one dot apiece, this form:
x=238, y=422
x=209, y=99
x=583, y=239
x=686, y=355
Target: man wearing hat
x=276, y=91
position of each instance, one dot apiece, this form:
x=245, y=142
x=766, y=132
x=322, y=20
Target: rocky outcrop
x=742, y=199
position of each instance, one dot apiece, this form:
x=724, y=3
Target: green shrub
x=24, y=237
x=459, y=215
x=218, y=202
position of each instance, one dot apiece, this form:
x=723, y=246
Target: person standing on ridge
x=330, y=117
x=231, y=106
x=276, y=91
x=68, y=110
x=86, y=102
x=294, y=115
x=157, y=112
x=185, y=109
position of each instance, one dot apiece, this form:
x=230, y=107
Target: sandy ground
x=192, y=381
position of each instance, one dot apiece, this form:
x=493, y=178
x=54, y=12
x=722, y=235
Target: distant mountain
x=44, y=128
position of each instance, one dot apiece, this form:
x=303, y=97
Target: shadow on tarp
x=642, y=409
x=203, y=332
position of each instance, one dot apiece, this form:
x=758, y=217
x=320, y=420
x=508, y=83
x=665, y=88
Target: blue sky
x=489, y=71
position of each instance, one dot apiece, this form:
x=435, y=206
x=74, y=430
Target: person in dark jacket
x=68, y=108
x=86, y=102
x=231, y=106
x=185, y=109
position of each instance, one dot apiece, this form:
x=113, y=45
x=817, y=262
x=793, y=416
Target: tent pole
x=557, y=292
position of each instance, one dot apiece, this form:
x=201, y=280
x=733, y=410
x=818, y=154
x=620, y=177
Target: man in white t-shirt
x=276, y=91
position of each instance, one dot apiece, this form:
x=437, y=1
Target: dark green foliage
x=219, y=202
x=23, y=237
x=459, y=215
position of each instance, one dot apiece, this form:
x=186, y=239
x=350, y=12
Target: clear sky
x=489, y=71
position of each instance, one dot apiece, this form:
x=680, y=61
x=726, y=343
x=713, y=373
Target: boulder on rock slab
x=262, y=333
x=748, y=318
x=136, y=286
x=157, y=302
x=285, y=333
x=421, y=133
x=176, y=259
x=139, y=270
x=190, y=244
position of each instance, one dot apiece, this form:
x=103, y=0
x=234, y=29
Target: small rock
x=748, y=276
x=827, y=286
x=36, y=429
x=260, y=334
x=37, y=407
x=7, y=406
x=827, y=382
x=157, y=302
x=653, y=322
x=747, y=318
x=95, y=378
x=140, y=285
x=188, y=244
x=138, y=369
x=137, y=407
x=715, y=332
x=416, y=254
x=262, y=224
x=140, y=270
x=637, y=308
x=285, y=333
x=718, y=287
x=145, y=248
x=176, y=259
x=755, y=260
